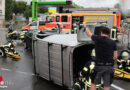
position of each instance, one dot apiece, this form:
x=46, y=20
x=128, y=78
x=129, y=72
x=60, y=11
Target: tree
x=119, y=7
x=19, y=7
x=9, y=5
x=28, y=12
x=43, y=10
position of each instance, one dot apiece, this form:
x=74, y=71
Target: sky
x=125, y=6
x=96, y=3
x=92, y=3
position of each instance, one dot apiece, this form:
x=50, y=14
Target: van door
x=33, y=25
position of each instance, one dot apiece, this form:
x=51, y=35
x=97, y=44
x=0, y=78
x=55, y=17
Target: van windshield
x=33, y=24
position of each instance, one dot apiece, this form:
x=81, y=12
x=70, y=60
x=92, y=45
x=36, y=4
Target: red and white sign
x=2, y=83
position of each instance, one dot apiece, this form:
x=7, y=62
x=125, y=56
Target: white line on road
x=25, y=73
x=5, y=69
x=117, y=87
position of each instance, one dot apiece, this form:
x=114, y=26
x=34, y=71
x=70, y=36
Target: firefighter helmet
x=125, y=55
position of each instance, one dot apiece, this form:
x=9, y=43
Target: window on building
x=64, y=19
x=57, y=18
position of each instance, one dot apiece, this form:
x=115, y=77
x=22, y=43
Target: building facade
x=2, y=13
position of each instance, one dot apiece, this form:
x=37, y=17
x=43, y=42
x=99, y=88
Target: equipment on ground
x=124, y=61
x=8, y=50
x=121, y=74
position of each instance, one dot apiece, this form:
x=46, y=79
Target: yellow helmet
x=125, y=55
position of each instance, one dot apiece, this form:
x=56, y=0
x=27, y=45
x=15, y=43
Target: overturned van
x=60, y=58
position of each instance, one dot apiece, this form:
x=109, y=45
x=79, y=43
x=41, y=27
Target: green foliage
x=122, y=16
x=43, y=10
x=28, y=12
x=9, y=5
x=117, y=5
x=20, y=7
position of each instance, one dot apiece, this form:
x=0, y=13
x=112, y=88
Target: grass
x=17, y=27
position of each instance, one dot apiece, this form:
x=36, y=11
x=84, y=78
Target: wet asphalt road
x=19, y=75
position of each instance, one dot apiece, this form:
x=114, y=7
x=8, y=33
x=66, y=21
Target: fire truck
x=68, y=20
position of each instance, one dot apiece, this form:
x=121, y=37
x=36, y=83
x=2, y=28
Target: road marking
x=117, y=87
x=25, y=73
x=3, y=86
x=5, y=69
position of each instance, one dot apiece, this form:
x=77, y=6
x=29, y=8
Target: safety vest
x=113, y=34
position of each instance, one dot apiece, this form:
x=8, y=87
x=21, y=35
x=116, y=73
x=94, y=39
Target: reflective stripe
x=80, y=74
x=85, y=69
x=78, y=84
x=62, y=29
x=66, y=29
x=119, y=60
x=83, y=79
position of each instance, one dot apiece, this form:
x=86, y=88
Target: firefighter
x=8, y=50
x=79, y=85
x=84, y=82
x=74, y=28
x=88, y=70
x=124, y=62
